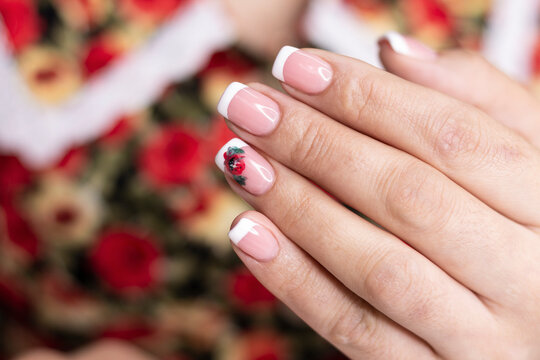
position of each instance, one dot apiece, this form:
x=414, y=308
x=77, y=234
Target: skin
x=264, y=26
x=444, y=155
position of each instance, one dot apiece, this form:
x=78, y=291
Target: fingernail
x=408, y=46
x=301, y=70
x=254, y=239
x=249, y=109
x=245, y=166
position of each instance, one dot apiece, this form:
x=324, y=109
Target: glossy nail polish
x=408, y=46
x=245, y=166
x=303, y=71
x=249, y=109
x=254, y=239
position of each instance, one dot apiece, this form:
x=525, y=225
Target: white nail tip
x=281, y=58
x=398, y=43
x=228, y=95
x=240, y=230
x=219, y=160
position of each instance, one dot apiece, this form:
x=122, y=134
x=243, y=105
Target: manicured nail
x=408, y=46
x=249, y=109
x=301, y=70
x=245, y=166
x=254, y=239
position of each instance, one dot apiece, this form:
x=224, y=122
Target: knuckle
x=389, y=277
x=455, y=137
x=300, y=204
x=414, y=193
x=296, y=287
x=396, y=281
x=462, y=140
x=357, y=327
x=358, y=96
x=313, y=143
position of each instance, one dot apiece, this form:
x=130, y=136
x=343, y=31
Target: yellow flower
x=49, y=74
x=83, y=14
x=63, y=212
x=211, y=225
x=201, y=323
x=64, y=305
x=468, y=8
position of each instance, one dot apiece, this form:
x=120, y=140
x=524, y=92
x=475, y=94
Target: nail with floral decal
x=245, y=166
x=249, y=109
x=302, y=70
x=254, y=239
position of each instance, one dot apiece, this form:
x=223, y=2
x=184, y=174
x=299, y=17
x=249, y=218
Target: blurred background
x=113, y=218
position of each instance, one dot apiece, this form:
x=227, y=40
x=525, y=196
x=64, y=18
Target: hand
x=263, y=26
x=448, y=170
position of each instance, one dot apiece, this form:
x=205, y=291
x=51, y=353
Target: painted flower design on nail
x=234, y=161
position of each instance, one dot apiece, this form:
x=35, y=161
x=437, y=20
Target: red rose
x=152, y=11
x=19, y=233
x=429, y=13
x=536, y=58
x=100, y=52
x=13, y=297
x=249, y=292
x=230, y=61
x=73, y=161
x=120, y=131
x=13, y=176
x=235, y=163
x=218, y=135
x=128, y=329
x=172, y=156
x=127, y=261
x=21, y=21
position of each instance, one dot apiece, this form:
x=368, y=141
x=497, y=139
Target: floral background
x=125, y=237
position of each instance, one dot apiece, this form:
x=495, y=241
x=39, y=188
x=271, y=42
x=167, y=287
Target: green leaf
x=240, y=179
x=235, y=150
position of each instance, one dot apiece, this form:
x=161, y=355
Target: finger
x=468, y=77
x=406, y=196
x=392, y=277
x=341, y=317
x=482, y=155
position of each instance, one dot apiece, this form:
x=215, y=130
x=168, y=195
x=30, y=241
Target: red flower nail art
x=234, y=161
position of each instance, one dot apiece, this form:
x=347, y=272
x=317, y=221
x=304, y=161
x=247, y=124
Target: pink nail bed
x=254, y=239
x=249, y=109
x=245, y=166
x=302, y=70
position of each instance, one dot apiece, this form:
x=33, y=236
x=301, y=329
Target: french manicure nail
x=254, y=239
x=249, y=109
x=408, y=46
x=302, y=70
x=245, y=166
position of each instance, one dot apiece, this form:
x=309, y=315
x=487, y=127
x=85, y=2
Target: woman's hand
x=449, y=171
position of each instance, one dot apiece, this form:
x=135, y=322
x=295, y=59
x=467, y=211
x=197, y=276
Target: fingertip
x=250, y=233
